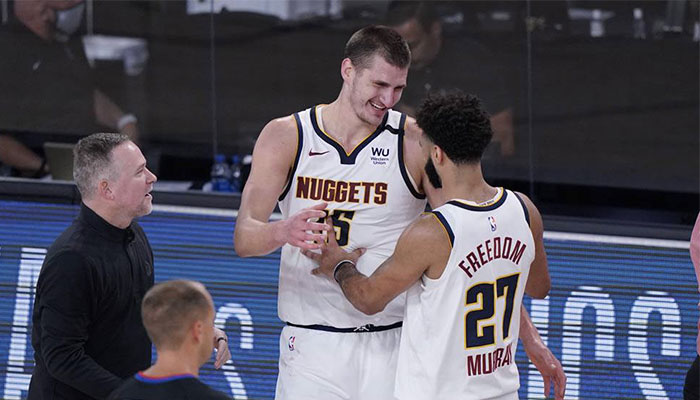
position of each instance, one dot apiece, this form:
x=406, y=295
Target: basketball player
x=466, y=266
x=357, y=162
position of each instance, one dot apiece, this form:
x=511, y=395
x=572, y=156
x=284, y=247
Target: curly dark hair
x=457, y=123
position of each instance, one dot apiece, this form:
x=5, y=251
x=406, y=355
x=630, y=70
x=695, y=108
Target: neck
x=173, y=363
x=341, y=122
x=466, y=182
x=108, y=214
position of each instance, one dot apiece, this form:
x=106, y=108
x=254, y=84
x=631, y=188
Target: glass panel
x=615, y=108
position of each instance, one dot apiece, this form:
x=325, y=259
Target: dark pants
x=691, y=390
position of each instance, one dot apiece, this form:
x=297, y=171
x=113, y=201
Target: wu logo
x=378, y=151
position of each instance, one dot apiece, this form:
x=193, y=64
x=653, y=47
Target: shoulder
x=281, y=126
x=533, y=216
x=66, y=260
x=202, y=391
x=531, y=208
x=426, y=231
x=280, y=134
x=67, y=274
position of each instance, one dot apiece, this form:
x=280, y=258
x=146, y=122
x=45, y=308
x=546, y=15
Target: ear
x=438, y=155
x=198, y=331
x=347, y=70
x=104, y=190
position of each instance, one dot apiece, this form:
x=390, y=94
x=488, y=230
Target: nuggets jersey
x=460, y=331
x=371, y=199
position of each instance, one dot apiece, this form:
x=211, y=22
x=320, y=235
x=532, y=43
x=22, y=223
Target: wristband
x=337, y=266
x=220, y=338
x=125, y=120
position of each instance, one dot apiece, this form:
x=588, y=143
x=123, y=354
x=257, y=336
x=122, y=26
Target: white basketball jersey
x=371, y=199
x=460, y=331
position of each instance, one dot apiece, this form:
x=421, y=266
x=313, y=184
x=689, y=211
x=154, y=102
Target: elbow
x=368, y=305
x=241, y=251
x=241, y=248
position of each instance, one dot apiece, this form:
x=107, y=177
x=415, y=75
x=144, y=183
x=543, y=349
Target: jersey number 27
x=476, y=334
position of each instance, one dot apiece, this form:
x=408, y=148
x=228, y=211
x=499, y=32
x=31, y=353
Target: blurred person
x=691, y=389
x=363, y=161
x=47, y=83
x=483, y=245
x=179, y=319
x=440, y=63
x=87, y=333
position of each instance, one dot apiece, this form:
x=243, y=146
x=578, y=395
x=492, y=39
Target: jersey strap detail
x=402, y=165
x=445, y=225
x=300, y=145
x=346, y=158
x=358, y=329
x=522, y=203
x=400, y=130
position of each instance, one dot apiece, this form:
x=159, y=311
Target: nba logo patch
x=492, y=222
x=290, y=342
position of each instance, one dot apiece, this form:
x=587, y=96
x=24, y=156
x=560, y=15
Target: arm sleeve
x=67, y=294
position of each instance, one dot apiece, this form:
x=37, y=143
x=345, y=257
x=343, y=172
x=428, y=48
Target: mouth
x=377, y=106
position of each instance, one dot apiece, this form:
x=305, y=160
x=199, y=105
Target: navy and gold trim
x=300, y=145
x=522, y=203
x=492, y=206
x=445, y=225
x=346, y=158
x=400, y=129
x=401, y=132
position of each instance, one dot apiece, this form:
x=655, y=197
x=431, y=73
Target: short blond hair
x=169, y=309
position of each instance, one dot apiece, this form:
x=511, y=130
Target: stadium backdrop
x=621, y=315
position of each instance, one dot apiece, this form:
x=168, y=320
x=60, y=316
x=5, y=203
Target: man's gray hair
x=92, y=157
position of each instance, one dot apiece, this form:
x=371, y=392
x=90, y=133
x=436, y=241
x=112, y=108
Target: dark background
x=606, y=127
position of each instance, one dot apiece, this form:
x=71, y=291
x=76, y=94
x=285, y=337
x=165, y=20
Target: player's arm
x=538, y=282
x=695, y=244
x=550, y=368
x=273, y=157
x=422, y=248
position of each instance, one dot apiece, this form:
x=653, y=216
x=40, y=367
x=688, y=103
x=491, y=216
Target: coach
x=87, y=332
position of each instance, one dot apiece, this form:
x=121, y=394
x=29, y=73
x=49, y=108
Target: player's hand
x=331, y=254
x=223, y=353
x=551, y=370
x=299, y=230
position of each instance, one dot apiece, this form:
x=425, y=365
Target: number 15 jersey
x=371, y=200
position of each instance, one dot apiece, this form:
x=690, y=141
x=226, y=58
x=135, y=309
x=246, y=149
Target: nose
x=150, y=176
x=387, y=97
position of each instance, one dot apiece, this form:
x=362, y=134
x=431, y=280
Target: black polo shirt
x=87, y=332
